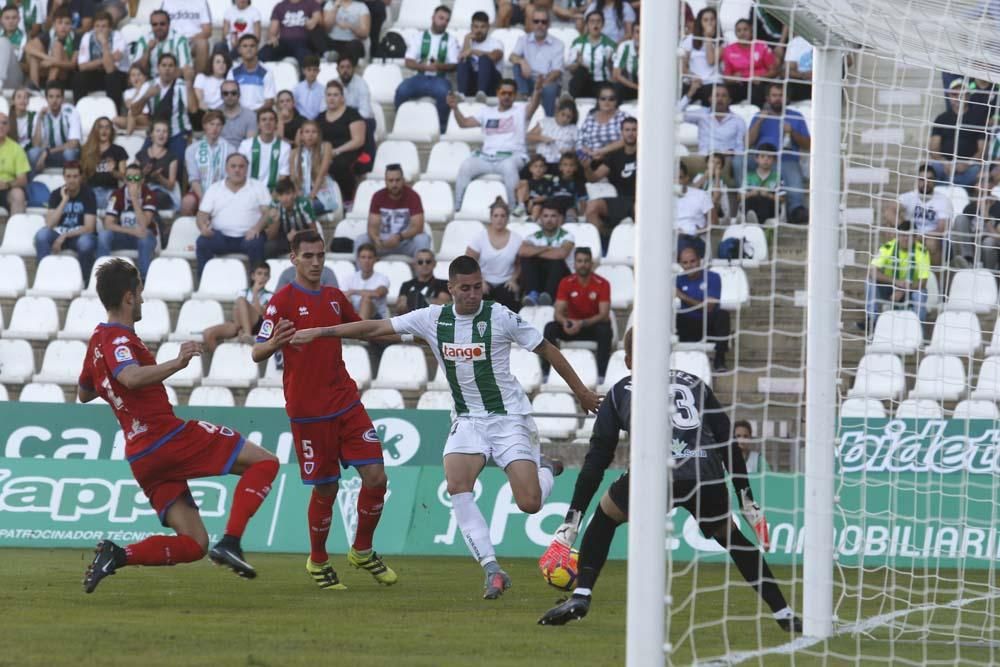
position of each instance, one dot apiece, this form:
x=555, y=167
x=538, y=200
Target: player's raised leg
x=371, y=499
x=461, y=471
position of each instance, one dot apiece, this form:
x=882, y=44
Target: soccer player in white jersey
x=471, y=340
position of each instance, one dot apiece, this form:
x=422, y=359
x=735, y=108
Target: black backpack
x=392, y=46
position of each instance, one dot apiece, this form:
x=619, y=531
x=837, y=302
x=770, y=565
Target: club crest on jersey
x=121, y=340
x=371, y=435
x=335, y=306
x=265, y=329
x=122, y=353
x=481, y=328
x=308, y=467
x=470, y=352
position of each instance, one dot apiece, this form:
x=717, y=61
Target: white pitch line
x=277, y=508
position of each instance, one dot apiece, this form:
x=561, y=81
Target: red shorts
x=323, y=446
x=197, y=449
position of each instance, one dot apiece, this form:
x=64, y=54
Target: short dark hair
x=463, y=265
x=583, y=251
x=262, y=265
x=70, y=165
x=154, y=13
x=166, y=56
x=55, y=85
x=310, y=61
x=630, y=119
x=62, y=12
x=553, y=205
x=237, y=155
x=10, y=8
x=395, y=166
x=247, y=36
x=745, y=424
x=596, y=12
x=569, y=105
x=103, y=16
x=366, y=246
x=507, y=82
x=349, y=58
x=775, y=84
x=133, y=166
x=116, y=278
x=481, y=17
x=305, y=236
x=284, y=185
x=333, y=83
x=443, y=8
x=766, y=147
x=263, y=111
x=213, y=114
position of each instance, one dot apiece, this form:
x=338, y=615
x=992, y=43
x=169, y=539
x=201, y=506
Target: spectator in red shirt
x=746, y=63
x=395, y=218
x=583, y=309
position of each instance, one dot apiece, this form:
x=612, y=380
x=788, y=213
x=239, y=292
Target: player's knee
x=375, y=479
x=326, y=490
x=455, y=488
x=530, y=504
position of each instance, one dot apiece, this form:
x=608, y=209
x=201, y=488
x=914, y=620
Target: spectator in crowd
x=694, y=214
x=292, y=22
x=956, y=146
x=81, y=14
x=583, y=310
x=22, y=123
x=160, y=167
x=509, y=12
x=192, y=20
x=11, y=47
x=239, y=122
x=289, y=214
x=14, y=170
x=762, y=191
x=798, y=69
x=619, y=167
x=378, y=9
x=777, y=125
x=71, y=221
x=478, y=71
x=702, y=49
x=538, y=61
x=310, y=167
x=51, y=56
x=743, y=435
x=310, y=95
x=367, y=288
x=625, y=72
x=248, y=312
x=503, y=151
x=140, y=85
x=699, y=315
x=556, y=135
x=601, y=132
x=590, y=57
x=102, y=61
x=208, y=87
x=163, y=39
x=130, y=220
x=358, y=97
x=713, y=182
x=348, y=24
x=102, y=161
x=569, y=190
x=170, y=99
x=423, y=289
x=929, y=213
x=543, y=257
x=205, y=160
x=533, y=191
x=395, y=218
x=898, y=274
x=257, y=87
x=33, y=15
x=619, y=18
x=746, y=63
x=267, y=152
x=975, y=234
x=497, y=249
x=431, y=57
x=57, y=134
x=289, y=120
x=240, y=19
x=344, y=129
x=232, y=215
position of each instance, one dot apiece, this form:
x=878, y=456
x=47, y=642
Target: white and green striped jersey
x=174, y=44
x=473, y=352
x=596, y=57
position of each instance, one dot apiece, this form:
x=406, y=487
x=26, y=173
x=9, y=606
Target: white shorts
x=505, y=438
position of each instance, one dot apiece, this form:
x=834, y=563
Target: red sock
x=251, y=491
x=163, y=550
x=370, y=501
x=320, y=515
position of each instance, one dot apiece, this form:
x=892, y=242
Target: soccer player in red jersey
x=164, y=451
x=329, y=424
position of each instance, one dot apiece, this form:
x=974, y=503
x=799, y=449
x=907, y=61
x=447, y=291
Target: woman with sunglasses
x=602, y=130
x=102, y=161
x=495, y=248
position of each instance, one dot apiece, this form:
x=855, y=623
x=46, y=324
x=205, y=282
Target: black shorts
x=619, y=208
x=706, y=500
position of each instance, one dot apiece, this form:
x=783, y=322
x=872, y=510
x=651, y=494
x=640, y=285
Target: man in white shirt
x=479, y=60
x=695, y=213
x=57, y=134
x=205, y=161
x=503, y=151
x=719, y=130
x=192, y=19
x=929, y=213
x=232, y=216
x=267, y=152
x=257, y=87
x=102, y=61
x=367, y=288
x=539, y=55
x=432, y=55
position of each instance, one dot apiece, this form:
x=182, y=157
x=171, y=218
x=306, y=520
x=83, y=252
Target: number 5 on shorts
x=307, y=450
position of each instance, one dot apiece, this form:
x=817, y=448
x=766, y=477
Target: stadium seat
x=458, y=234
x=62, y=362
x=415, y=13
x=478, y=197
x=621, y=246
x=586, y=236
x=350, y=228
x=211, y=397
x=933, y=293
x=327, y=73
x=694, y=362
x=508, y=37
x=879, y=376
x=524, y=229
x=4, y=396
x=862, y=408
x=956, y=332
x=956, y=194
x=467, y=135
x=91, y=289
x=223, y=279
x=91, y=108
x=402, y=367
x=187, y=377
x=988, y=383
x=383, y=79
x=278, y=267
x=687, y=134
x=994, y=347
x=382, y=399
x=57, y=276
x=556, y=428
x=972, y=289
x=622, y=284
x=83, y=316
x=403, y=153
x=15, y=277
x=735, y=287
x=52, y=181
x=42, y=392
x=195, y=317
x=616, y=371
x=585, y=365
x=417, y=121
x=919, y=408
x=745, y=111
x=381, y=131
x=17, y=361
x=527, y=368
x=34, y=318
x=231, y=367
x=584, y=105
x=897, y=332
x=343, y=269
x=437, y=199
x=363, y=201
x=440, y=381
x=155, y=323
x=19, y=234
x=168, y=278
x=272, y=374
x=971, y=409
x=398, y=273
x=940, y=378
x=462, y=11
x=429, y=400
x=753, y=242
x=132, y=143
x=286, y=75
x=265, y=397
x=445, y=159
x=358, y=364
x=183, y=235
x=537, y=316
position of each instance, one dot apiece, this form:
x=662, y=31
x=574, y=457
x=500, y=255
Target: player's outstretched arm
x=278, y=338
x=589, y=400
x=137, y=377
x=362, y=330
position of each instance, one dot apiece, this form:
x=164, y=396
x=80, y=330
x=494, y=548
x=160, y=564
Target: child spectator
x=248, y=312
x=533, y=191
x=50, y=55
x=762, y=189
x=366, y=288
x=570, y=189
x=713, y=182
x=289, y=214
x=556, y=135
x=309, y=94
x=140, y=86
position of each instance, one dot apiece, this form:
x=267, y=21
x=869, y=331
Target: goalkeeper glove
x=755, y=517
x=558, y=552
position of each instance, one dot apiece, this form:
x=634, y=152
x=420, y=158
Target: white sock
x=473, y=526
x=582, y=591
x=784, y=613
x=546, y=481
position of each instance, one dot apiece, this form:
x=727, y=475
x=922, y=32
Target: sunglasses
x=134, y=179
x=230, y=93
x=425, y=261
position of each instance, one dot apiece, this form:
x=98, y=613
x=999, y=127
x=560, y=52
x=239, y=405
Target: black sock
x=751, y=564
x=230, y=541
x=594, y=548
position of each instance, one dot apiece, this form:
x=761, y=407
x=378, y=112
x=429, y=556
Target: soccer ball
x=563, y=576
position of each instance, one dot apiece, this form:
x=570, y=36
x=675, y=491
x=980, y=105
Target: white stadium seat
x=195, y=317
x=972, y=289
x=272, y=374
x=52, y=181
x=415, y=13
x=382, y=399
x=91, y=108
x=527, y=368
x=687, y=134
x=919, y=408
x=437, y=199
x=402, y=367
x=897, y=332
x=735, y=287
x=155, y=323
x=745, y=111
x=363, y=201
x=34, y=318
x=62, y=362
x=862, y=408
x=972, y=409
x=440, y=380
x=231, y=367
x=382, y=80
x=42, y=392
x=403, y=153
x=398, y=273
x=557, y=428
x=132, y=143
x=17, y=361
x=994, y=347
x=211, y=397
x=956, y=332
x=381, y=131
x=753, y=243
x=956, y=194
x=416, y=120
x=3, y=394
x=342, y=268
x=169, y=278
x=187, y=377
x=468, y=135
x=694, y=362
x=622, y=284
x=585, y=365
x=445, y=159
x=524, y=229
x=358, y=364
x=327, y=73
x=350, y=228
x=286, y=75
x=265, y=397
x=431, y=400
x=537, y=316
x=278, y=267
x=223, y=279
x=940, y=378
x=183, y=235
x=586, y=236
x=621, y=246
x=508, y=37
x=19, y=234
x=457, y=236
x=91, y=289
x=988, y=383
x=879, y=376
x=83, y=316
x=57, y=276
x=15, y=277
x=462, y=11
x=616, y=371
x=478, y=197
